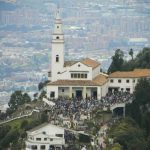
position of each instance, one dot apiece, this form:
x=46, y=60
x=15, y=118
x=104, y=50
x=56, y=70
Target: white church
x=83, y=78
x=73, y=78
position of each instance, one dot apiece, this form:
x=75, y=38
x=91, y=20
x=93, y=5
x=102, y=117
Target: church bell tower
x=57, y=57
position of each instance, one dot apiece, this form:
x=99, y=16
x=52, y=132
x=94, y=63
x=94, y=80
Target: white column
x=38, y=147
x=56, y=92
x=99, y=92
x=84, y=92
x=70, y=92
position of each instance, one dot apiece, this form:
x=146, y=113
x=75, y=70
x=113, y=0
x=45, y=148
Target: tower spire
x=57, y=13
x=57, y=60
x=58, y=23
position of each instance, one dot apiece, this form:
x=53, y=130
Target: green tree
x=10, y=137
x=4, y=129
x=15, y=100
x=35, y=96
x=18, y=98
x=43, y=94
x=142, y=91
x=42, y=85
x=26, y=98
x=117, y=61
x=128, y=135
x=143, y=58
x=131, y=53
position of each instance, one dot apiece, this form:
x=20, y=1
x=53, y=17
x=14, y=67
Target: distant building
x=45, y=137
x=73, y=78
x=138, y=42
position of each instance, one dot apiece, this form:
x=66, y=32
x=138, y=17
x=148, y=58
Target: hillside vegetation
x=142, y=60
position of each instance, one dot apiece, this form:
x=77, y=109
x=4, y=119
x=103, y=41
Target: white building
x=73, y=78
x=126, y=81
x=44, y=137
x=83, y=78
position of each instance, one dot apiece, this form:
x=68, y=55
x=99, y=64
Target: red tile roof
x=88, y=62
x=137, y=73
x=91, y=63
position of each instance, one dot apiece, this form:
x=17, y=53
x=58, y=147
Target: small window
x=49, y=74
x=79, y=65
x=45, y=139
x=85, y=75
x=82, y=76
x=57, y=37
x=59, y=135
x=133, y=80
x=51, y=139
x=57, y=58
x=71, y=75
x=42, y=147
x=38, y=139
x=111, y=80
x=57, y=27
x=127, y=81
x=119, y=81
x=52, y=94
x=78, y=75
x=44, y=132
x=63, y=90
x=75, y=75
x=34, y=147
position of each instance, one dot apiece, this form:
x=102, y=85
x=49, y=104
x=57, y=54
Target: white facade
x=79, y=91
x=44, y=137
x=123, y=84
x=127, y=80
x=77, y=68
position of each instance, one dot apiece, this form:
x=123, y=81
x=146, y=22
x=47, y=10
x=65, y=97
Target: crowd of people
x=116, y=97
x=68, y=107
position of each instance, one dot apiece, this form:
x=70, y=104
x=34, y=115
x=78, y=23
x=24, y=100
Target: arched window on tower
x=57, y=58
